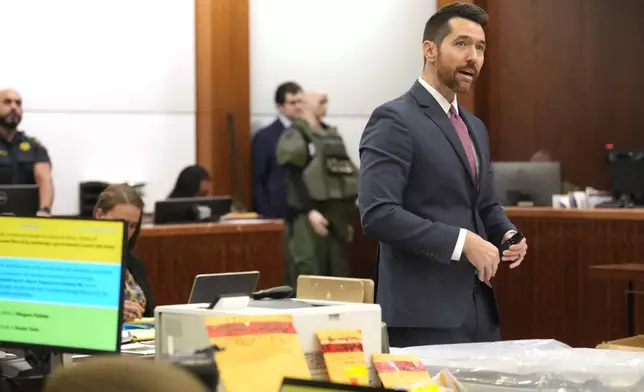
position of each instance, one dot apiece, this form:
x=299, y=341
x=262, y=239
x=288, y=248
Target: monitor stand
x=33, y=364
x=54, y=362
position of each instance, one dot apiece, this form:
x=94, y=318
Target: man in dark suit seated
x=269, y=194
x=426, y=194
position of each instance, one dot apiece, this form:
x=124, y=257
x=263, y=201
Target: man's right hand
x=483, y=255
x=319, y=223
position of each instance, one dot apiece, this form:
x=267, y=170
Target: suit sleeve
x=386, y=154
x=491, y=212
x=260, y=164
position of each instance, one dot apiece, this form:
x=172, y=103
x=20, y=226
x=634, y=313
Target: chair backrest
x=88, y=196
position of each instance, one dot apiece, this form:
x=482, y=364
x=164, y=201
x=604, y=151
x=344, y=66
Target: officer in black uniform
x=23, y=159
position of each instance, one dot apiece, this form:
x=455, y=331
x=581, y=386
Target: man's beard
x=10, y=121
x=447, y=76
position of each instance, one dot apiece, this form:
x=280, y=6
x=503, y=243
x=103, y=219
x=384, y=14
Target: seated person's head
x=120, y=202
x=116, y=374
x=193, y=181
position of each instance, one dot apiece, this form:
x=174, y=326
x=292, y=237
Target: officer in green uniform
x=23, y=159
x=321, y=190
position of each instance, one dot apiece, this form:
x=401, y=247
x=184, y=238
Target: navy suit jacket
x=416, y=192
x=269, y=189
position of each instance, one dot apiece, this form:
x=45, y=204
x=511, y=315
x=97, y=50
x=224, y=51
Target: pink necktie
x=463, y=134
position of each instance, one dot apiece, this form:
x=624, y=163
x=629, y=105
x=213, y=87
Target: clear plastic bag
x=534, y=365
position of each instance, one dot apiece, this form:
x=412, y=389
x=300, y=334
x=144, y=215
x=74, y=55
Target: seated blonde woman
x=122, y=202
x=123, y=374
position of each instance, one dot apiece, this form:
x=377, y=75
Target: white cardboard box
x=181, y=327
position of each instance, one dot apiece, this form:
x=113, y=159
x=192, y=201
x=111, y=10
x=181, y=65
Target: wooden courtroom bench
x=175, y=254
x=550, y=295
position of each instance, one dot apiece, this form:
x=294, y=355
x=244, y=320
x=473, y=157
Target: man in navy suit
x=269, y=189
x=426, y=195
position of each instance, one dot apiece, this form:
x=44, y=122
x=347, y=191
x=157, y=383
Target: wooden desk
x=175, y=254
x=630, y=273
x=550, y=295
x=627, y=272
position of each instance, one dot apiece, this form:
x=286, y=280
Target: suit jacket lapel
x=434, y=111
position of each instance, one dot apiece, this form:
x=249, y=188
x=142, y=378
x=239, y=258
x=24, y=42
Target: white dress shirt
x=285, y=121
x=460, y=242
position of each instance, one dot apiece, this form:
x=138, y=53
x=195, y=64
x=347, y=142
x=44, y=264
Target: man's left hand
x=516, y=253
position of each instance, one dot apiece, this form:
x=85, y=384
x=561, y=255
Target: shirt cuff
x=460, y=243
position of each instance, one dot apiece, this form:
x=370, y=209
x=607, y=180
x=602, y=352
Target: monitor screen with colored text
x=61, y=284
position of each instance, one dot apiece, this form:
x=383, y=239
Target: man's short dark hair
x=437, y=27
x=286, y=88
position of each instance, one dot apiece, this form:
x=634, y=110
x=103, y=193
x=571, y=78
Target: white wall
x=108, y=87
x=361, y=52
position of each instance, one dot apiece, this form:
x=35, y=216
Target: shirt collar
x=285, y=121
x=439, y=97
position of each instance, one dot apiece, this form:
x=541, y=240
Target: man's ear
x=99, y=214
x=430, y=51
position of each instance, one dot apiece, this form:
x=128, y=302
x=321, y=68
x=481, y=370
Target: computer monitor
x=296, y=385
x=206, y=286
x=626, y=168
x=191, y=209
x=533, y=183
x=61, y=284
x=19, y=200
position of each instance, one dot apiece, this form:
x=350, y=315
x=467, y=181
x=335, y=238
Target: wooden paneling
x=175, y=254
x=223, y=86
x=563, y=76
x=551, y=294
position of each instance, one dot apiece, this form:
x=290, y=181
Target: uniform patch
x=25, y=146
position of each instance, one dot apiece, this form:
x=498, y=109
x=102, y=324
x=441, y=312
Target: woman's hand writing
x=132, y=311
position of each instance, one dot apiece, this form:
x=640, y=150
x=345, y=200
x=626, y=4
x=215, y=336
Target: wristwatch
x=46, y=210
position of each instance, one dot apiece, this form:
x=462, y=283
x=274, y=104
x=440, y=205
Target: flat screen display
x=61, y=283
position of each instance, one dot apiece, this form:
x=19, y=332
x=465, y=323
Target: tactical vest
x=330, y=175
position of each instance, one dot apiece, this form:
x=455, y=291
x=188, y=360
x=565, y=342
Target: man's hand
x=483, y=255
x=132, y=311
x=516, y=253
x=43, y=214
x=319, y=223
